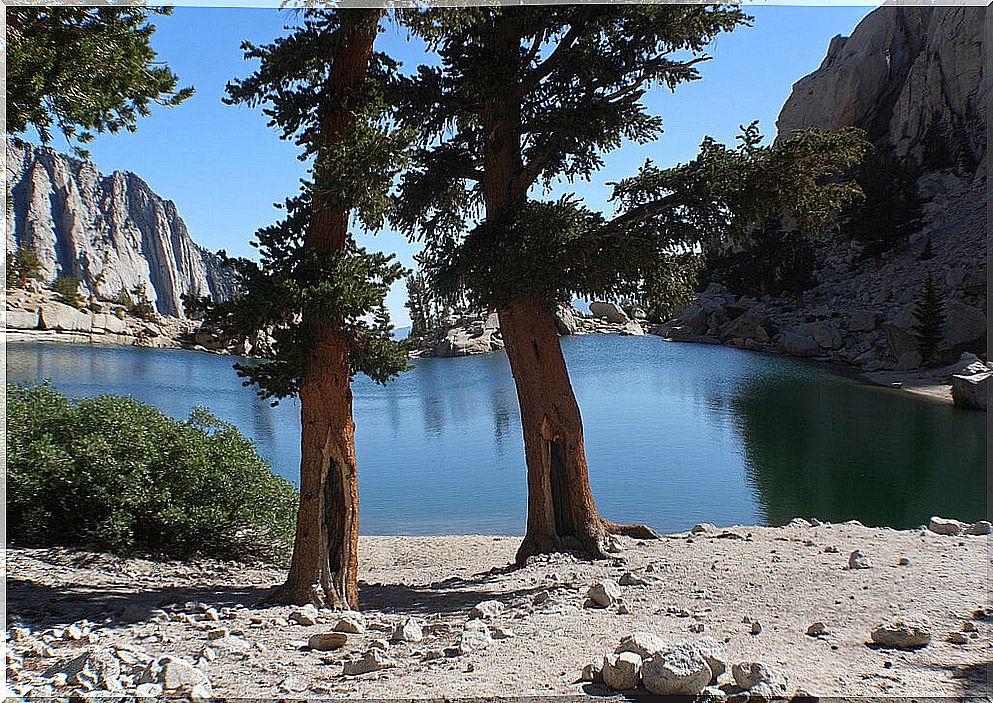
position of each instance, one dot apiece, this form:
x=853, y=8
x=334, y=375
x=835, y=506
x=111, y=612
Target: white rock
x=604, y=593
x=293, y=684
x=501, y=633
x=174, y=675
x=702, y=527
x=676, y=671
x=748, y=675
x=487, y=610
x=372, y=660
x=644, y=644
x=474, y=638
x=410, y=630
x=350, y=622
x=714, y=654
x=304, y=616
x=147, y=690
x=621, y=672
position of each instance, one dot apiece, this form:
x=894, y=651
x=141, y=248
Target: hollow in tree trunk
x=562, y=515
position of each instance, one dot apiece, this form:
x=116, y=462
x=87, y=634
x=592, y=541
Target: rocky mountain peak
x=112, y=231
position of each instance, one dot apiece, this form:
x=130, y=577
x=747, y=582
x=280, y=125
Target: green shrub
x=114, y=474
x=141, y=306
x=22, y=265
x=68, y=289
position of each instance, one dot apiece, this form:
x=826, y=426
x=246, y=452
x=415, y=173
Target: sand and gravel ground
x=785, y=578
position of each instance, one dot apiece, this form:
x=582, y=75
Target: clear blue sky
x=224, y=168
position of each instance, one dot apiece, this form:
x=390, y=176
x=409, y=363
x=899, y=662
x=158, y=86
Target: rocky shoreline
x=466, y=334
x=808, y=609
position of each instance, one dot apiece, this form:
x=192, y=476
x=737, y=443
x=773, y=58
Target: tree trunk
x=324, y=569
x=562, y=514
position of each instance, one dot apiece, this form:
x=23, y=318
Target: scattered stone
x=858, y=560
x=604, y=593
x=715, y=656
x=903, y=633
x=798, y=523
x=943, y=526
x=702, y=527
x=410, y=630
x=591, y=673
x=968, y=626
x=210, y=615
x=207, y=654
x=632, y=578
x=487, y=610
x=903, y=561
x=818, y=629
x=697, y=627
x=677, y=671
x=621, y=672
x=326, y=641
x=292, y=684
x=174, y=674
x=983, y=527
x=957, y=637
x=540, y=597
x=474, y=637
x=379, y=644
x=623, y=609
x=352, y=623
x=148, y=690
x=91, y=669
x=756, y=627
x=217, y=633
x=831, y=549
x=641, y=643
x=749, y=675
x=372, y=660
x=305, y=616
x=501, y=633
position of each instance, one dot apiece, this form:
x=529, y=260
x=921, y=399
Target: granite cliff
x=112, y=232
x=913, y=78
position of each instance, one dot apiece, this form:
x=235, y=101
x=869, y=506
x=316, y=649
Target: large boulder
x=680, y=670
x=972, y=391
x=21, y=320
x=795, y=344
x=621, y=672
x=825, y=334
x=565, y=320
x=63, y=318
x=903, y=633
x=612, y=312
x=749, y=325
x=461, y=342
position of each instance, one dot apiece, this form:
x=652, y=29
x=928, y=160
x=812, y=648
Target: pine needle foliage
x=571, y=81
x=84, y=70
x=293, y=289
x=929, y=317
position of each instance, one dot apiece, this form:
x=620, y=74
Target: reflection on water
x=675, y=434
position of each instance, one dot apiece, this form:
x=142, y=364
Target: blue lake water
x=675, y=434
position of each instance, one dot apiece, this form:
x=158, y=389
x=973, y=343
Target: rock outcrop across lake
x=466, y=334
x=113, y=232
x=441, y=616
x=913, y=78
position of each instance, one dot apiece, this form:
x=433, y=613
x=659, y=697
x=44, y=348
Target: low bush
x=111, y=473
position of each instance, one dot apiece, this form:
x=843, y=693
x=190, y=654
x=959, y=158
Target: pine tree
x=320, y=294
x=929, y=316
x=68, y=289
x=23, y=265
x=523, y=96
x=84, y=70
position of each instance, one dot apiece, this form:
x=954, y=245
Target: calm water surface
x=675, y=434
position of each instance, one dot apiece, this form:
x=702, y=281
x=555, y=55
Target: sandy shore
x=785, y=578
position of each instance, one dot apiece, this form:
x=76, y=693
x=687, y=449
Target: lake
x=675, y=433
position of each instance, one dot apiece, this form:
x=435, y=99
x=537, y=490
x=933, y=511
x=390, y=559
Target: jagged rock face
x=911, y=77
x=113, y=232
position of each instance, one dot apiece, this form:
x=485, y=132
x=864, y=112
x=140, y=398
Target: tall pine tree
x=318, y=293
x=524, y=96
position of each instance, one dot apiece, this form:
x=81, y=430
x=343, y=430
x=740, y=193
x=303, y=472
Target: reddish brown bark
x=562, y=514
x=324, y=569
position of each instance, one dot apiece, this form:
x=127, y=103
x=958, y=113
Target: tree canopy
x=84, y=70
x=294, y=287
